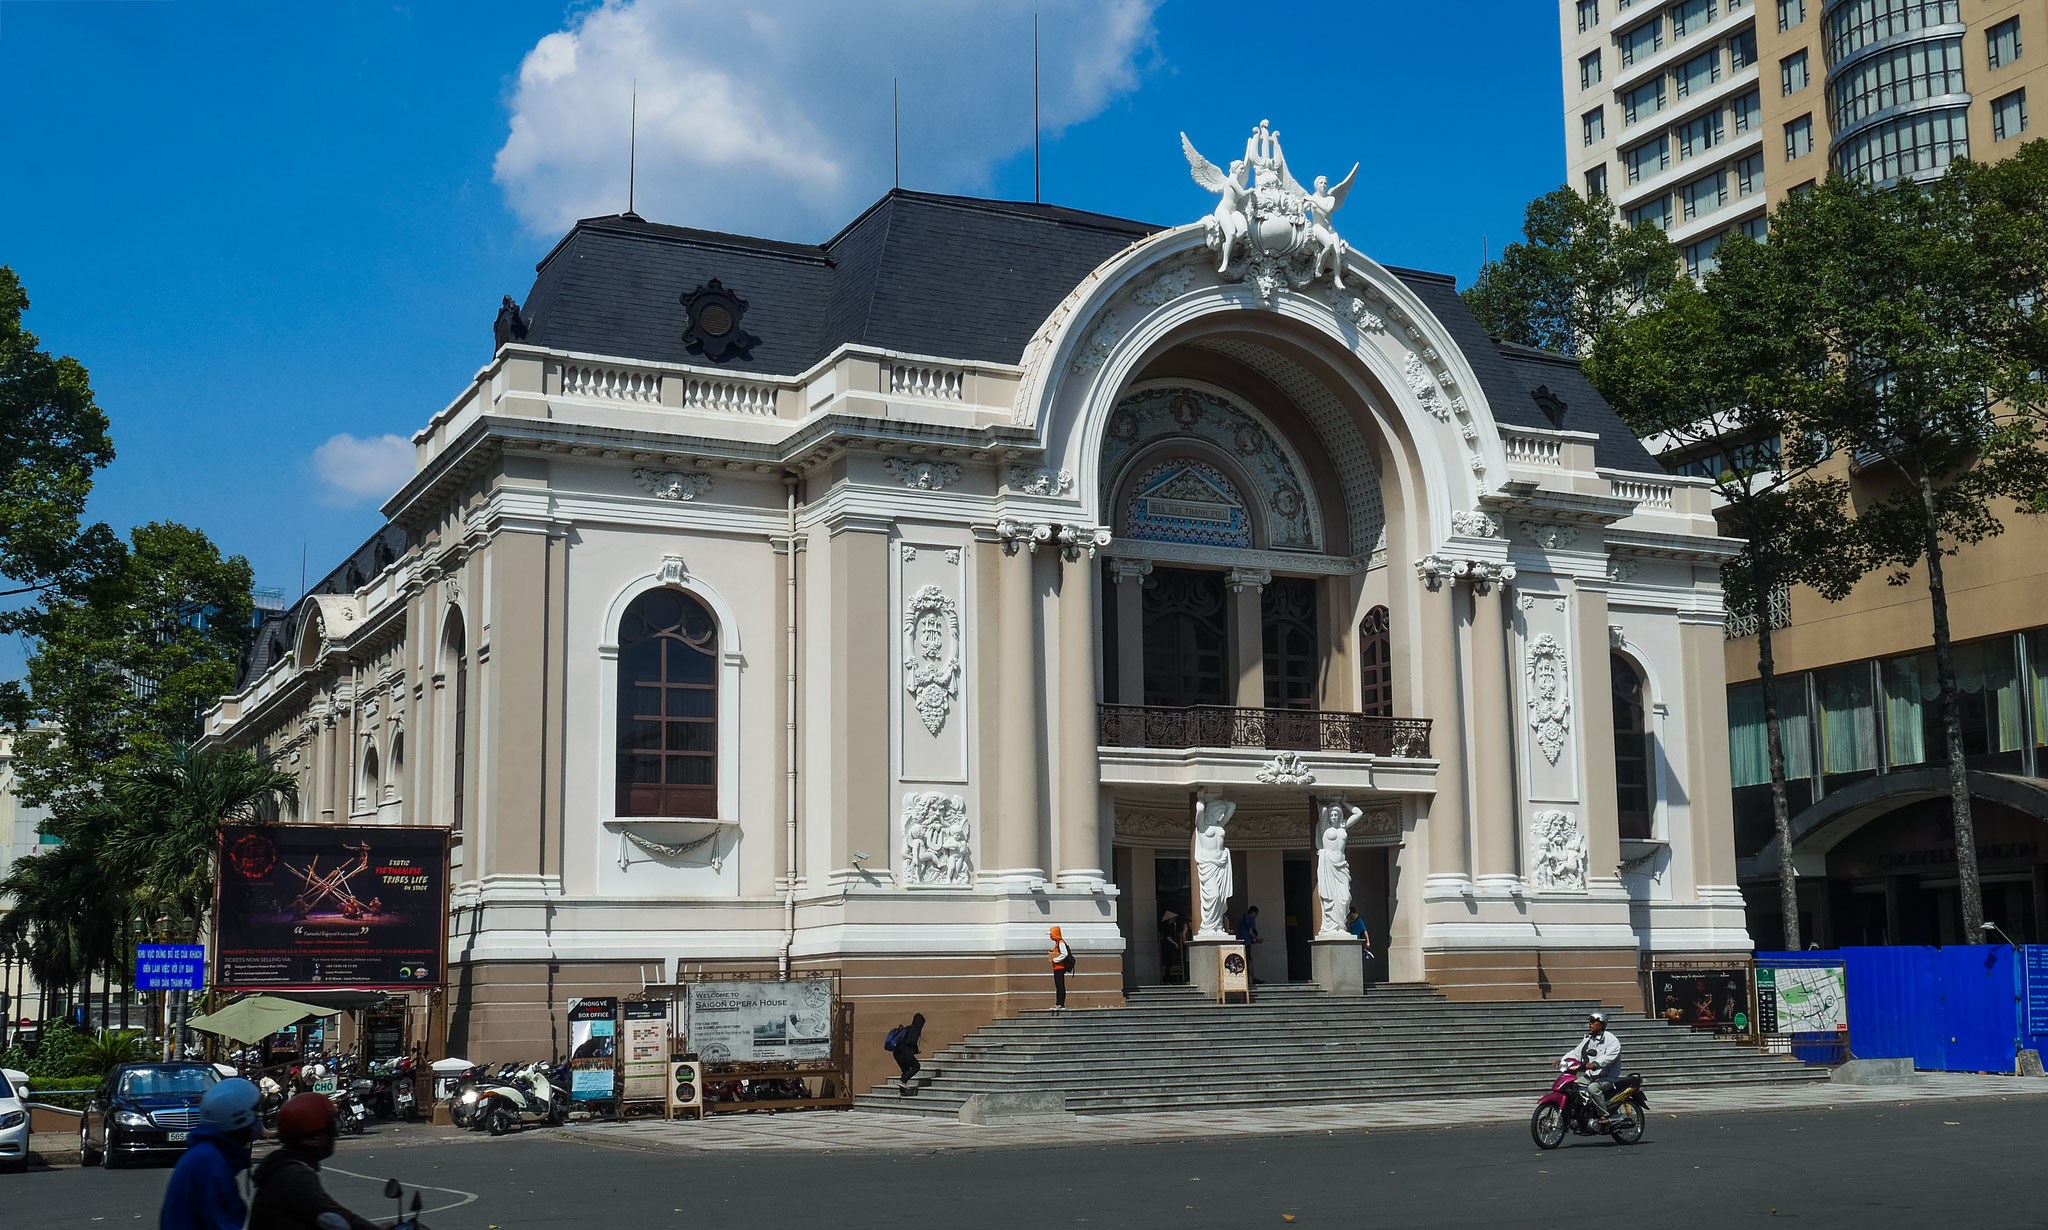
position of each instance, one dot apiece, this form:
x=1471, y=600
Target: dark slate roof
x=1583, y=409
x=279, y=631
x=953, y=276
x=918, y=272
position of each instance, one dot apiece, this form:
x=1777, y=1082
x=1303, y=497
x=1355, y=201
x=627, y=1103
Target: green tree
x=71, y=901
x=173, y=807
x=123, y=673
x=1575, y=268
x=1919, y=305
x=1710, y=375
x=53, y=437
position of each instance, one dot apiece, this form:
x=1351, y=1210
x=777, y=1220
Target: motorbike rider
x=288, y=1191
x=204, y=1193
x=1598, y=1055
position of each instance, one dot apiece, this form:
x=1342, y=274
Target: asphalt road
x=1954, y=1164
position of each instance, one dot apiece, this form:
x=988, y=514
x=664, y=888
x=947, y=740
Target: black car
x=143, y=1110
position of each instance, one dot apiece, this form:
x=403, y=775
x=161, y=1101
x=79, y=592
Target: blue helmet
x=230, y=1105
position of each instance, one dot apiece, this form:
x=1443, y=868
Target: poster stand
x=1709, y=995
x=827, y=1077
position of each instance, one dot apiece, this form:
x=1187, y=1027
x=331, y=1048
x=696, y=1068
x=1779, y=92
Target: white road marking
x=467, y=1197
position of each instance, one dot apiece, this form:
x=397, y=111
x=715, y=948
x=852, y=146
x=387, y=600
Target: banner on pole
x=170, y=967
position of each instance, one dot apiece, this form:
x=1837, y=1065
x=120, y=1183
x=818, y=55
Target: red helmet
x=308, y=1114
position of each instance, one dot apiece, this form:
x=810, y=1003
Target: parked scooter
x=1566, y=1108
x=528, y=1099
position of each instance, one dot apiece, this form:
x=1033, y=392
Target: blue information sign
x=170, y=967
x=2036, y=972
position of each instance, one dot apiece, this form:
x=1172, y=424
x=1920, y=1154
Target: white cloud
x=777, y=123
x=353, y=471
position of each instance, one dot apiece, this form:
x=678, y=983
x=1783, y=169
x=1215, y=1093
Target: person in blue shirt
x=204, y=1191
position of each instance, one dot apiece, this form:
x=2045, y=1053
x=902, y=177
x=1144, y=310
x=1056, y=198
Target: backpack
x=895, y=1038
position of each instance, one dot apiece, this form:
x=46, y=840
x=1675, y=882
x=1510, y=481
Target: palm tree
x=71, y=901
x=174, y=807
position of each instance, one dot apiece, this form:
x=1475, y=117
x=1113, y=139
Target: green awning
x=257, y=1017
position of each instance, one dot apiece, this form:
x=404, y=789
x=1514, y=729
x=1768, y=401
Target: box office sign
x=326, y=905
x=593, y=1049
x=760, y=1022
x=644, y=1050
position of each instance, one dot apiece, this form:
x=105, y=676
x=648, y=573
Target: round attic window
x=715, y=319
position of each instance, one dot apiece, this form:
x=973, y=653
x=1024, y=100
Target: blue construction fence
x=1953, y=1009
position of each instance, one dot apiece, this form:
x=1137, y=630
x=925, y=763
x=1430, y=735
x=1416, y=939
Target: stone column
x=1441, y=700
x=859, y=680
x=1130, y=577
x=1080, y=765
x=1595, y=705
x=1247, y=635
x=1493, y=796
x=1021, y=733
x=1710, y=807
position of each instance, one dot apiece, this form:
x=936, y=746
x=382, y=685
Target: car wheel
x=87, y=1155
x=108, y=1158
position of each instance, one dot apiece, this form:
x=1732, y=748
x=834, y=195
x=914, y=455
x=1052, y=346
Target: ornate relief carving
x=1292, y=515
x=1558, y=849
x=1282, y=229
x=1022, y=533
x=1287, y=769
x=952, y=555
x=1435, y=569
x=1241, y=579
x=1130, y=569
x=922, y=475
x=937, y=845
x=1155, y=825
x=1107, y=334
x=1551, y=537
x=1622, y=568
x=1165, y=287
x=909, y=553
x=1040, y=480
x=931, y=669
x=672, y=570
x=1423, y=385
x=672, y=484
x=1475, y=524
x=1079, y=540
x=1550, y=703
x=1360, y=312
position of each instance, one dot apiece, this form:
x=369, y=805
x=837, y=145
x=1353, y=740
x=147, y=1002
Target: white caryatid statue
x=1333, y=868
x=1213, y=881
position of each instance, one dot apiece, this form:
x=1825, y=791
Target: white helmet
x=230, y=1105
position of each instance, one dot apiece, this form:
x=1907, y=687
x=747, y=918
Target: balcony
x=1277, y=730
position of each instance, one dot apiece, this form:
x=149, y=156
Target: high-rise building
x=1888, y=90
x=1697, y=115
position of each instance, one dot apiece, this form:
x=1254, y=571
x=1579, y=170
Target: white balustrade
x=729, y=396
x=1532, y=450
x=610, y=383
x=939, y=383
x=1645, y=492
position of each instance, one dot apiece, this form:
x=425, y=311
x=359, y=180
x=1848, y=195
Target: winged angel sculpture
x=1274, y=225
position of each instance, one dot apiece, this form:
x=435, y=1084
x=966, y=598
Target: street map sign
x=1809, y=1000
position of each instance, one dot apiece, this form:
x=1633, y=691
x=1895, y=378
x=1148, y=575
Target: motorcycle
x=530, y=1098
x=391, y=1088
x=271, y=1100
x=1566, y=1108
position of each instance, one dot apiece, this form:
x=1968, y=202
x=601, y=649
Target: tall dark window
x=1186, y=645
x=1375, y=664
x=1632, y=757
x=1287, y=613
x=668, y=707
x=457, y=657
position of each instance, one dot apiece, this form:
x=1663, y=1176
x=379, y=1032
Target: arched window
x=455, y=661
x=396, y=765
x=1288, y=613
x=373, y=788
x=1375, y=664
x=668, y=707
x=1633, y=793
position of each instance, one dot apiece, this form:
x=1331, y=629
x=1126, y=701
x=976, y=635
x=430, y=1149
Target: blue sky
x=277, y=234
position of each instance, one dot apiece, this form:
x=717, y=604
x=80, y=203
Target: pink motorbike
x=1566, y=1108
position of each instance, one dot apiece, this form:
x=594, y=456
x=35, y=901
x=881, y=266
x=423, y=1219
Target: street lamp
x=1992, y=926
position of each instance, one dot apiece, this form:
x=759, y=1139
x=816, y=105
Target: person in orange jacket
x=1062, y=964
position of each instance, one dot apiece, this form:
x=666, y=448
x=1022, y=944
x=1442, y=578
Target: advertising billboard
x=318, y=905
x=1703, y=998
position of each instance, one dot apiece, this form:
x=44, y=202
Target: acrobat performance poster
x=311, y=906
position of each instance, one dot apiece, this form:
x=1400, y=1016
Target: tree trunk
x=1967, y=884
x=1774, y=737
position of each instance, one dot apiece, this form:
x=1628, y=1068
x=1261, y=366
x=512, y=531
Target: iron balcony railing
x=1300, y=730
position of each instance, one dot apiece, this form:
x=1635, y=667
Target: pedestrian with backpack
x=902, y=1043
x=1062, y=964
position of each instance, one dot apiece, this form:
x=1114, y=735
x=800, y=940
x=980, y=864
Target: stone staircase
x=1167, y=1049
